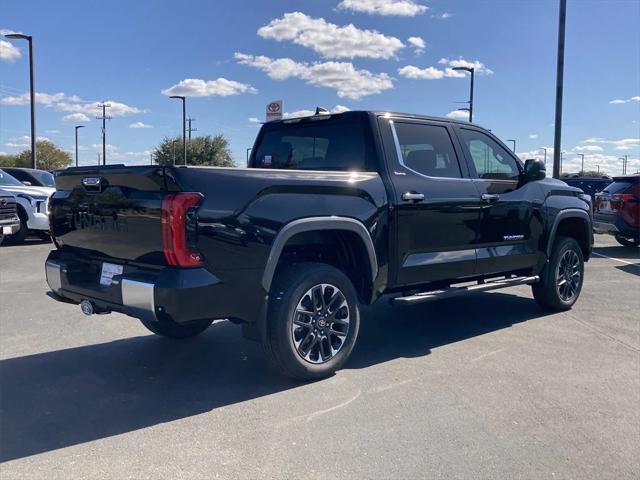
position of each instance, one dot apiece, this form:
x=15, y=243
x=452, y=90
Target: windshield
x=7, y=180
x=45, y=178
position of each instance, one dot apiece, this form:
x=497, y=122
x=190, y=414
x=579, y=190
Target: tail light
x=177, y=208
x=623, y=197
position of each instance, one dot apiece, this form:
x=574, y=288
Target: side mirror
x=534, y=169
x=28, y=184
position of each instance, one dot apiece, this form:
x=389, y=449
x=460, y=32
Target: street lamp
x=471, y=70
x=514, y=145
x=545, y=154
x=582, y=167
x=29, y=38
x=77, y=127
x=184, y=125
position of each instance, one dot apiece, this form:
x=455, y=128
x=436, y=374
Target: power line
x=104, y=119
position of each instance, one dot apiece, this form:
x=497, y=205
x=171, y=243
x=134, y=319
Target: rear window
x=617, y=187
x=339, y=146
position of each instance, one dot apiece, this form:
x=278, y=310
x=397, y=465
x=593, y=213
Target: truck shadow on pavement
x=67, y=397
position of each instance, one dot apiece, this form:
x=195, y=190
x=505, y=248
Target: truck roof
x=358, y=113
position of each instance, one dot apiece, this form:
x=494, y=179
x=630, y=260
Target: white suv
x=32, y=207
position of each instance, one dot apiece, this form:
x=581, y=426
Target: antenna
x=104, y=118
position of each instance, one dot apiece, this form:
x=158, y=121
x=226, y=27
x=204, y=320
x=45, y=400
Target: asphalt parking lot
x=485, y=386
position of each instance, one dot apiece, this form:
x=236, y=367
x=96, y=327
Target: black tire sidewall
x=626, y=242
x=563, y=244
x=291, y=286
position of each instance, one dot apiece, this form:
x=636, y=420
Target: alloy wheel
x=568, y=275
x=320, y=323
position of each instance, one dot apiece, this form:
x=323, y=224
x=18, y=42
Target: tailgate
x=112, y=212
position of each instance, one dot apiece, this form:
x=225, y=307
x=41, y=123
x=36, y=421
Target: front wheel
x=313, y=321
x=627, y=242
x=170, y=329
x=561, y=281
x=19, y=237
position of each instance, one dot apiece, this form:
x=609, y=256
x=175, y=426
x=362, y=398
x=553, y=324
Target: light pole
x=77, y=127
x=184, y=126
x=598, y=167
x=557, y=138
x=514, y=145
x=582, y=167
x=471, y=70
x=625, y=159
x=32, y=93
x=545, y=154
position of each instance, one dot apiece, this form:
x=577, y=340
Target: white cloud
x=71, y=104
x=76, y=117
x=533, y=136
x=403, y=8
x=221, y=87
x=628, y=100
x=9, y=52
x=458, y=115
x=588, y=148
x=140, y=125
x=52, y=132
x=623, y=144
x=434, y=73
x=41, y=98
x=329, y=39
x=442, y=16
x=308, y=113
x=479, y=67
x=254, y=120
x=348, y=81
x=418, y=43
x=17, y=145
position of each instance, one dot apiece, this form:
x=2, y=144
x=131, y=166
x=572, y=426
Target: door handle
x=412, y=197
x=489, y=197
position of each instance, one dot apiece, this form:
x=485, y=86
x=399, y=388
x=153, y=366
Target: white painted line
x=616, y=259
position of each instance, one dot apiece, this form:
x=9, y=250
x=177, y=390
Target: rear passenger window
x=339, y=146
x=427, y=150
x=490, y=159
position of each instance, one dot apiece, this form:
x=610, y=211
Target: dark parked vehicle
x=334, y=211
x=9, y=221
x=589, y=185
x=617, y=210
x=32, y=176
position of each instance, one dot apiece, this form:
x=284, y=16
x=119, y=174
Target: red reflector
x=175, y=207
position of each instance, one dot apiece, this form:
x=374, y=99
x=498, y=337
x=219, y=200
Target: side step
x=459, y=291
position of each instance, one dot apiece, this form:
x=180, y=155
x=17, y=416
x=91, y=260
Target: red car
x=617, y=210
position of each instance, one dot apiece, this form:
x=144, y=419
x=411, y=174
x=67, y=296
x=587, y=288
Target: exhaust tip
x=87, y=307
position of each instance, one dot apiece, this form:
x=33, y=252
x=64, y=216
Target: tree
x=208, y=150
x=50, y=157
x=9, y=161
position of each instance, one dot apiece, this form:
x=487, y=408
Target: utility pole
x=77, y=127
x=625, y=160
x=32, y=94
x=557, y=140
x=104, y=119
x=582, y=168
x=99, y=162
x=190, y=129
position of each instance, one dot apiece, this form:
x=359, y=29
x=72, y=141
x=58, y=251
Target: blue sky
x=232, y=58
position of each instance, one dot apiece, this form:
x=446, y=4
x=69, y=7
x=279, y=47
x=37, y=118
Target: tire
x=561, y=281
x=20, y=236
x=43, y=235
x=627, y=242
x=311, y=345
x=170, y=329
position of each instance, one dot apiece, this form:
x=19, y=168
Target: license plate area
x=108, y=271
x=6, y=230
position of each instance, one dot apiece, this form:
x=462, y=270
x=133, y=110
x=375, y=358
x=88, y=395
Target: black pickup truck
x=333, y=212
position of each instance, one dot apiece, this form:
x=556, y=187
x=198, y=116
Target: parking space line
x=616, y=259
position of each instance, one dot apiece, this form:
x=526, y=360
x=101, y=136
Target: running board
x=459, y=291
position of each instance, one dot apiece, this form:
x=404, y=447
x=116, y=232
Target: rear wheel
x=313, y=321
x=170, y=329
x=561, y=281
x=627, y=242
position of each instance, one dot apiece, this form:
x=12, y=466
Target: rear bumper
x=614, y=225
x=180, y=295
